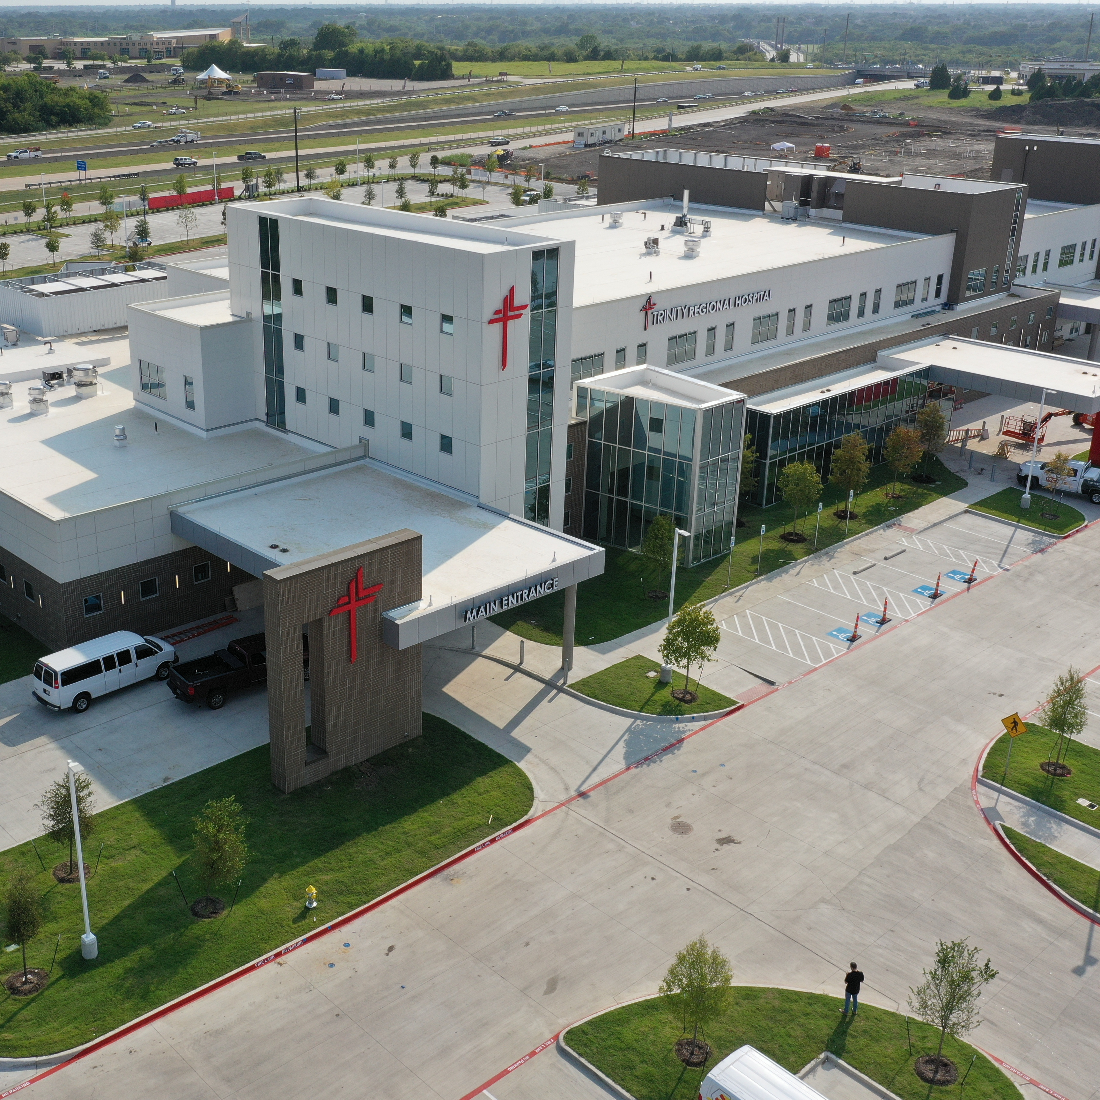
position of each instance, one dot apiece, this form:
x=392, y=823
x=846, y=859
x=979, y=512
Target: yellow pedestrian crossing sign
x=1014, y=724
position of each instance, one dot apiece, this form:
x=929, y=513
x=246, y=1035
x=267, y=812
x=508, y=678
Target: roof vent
x=692, y=246
x=120, y=435
x=616, y=219
x=653, y=246
x=38, y=401
x=5, y=395
x=85, y=380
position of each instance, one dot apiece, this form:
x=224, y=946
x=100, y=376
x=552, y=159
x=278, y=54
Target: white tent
x=779, y=146
x=214, y=73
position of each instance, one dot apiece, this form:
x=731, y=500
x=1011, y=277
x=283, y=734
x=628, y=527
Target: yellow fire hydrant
x=311, y=896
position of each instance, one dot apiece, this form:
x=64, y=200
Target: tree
x=1055, y=470
x=995, y=92
x=141, y=228
x=800, y=485
x=402, y=191
x=440, y=211
x=948, y=996
x=368, y=195
x=106, y=197
x=5, y=252
x=582, y=186
x=658, y=542
x=463, y=181
x=959, y=87
x=697, y=986
x=66, y=203
x=333, y=189
x=750, y=482
x=850, y=466
x=98, y=239
x=393, y=165
x=691, y=639
x=22, y=912
x=433, y=162
x=29, y=207
x=433, y=187
x=491, y=164
x=30, y=105
x=187, y=219
x=940, y=79
x=280, y=174
x=111, y=221
x=333, y=36
x=368, y=162
x=269, y=179
x=1065, y=711
x=57, y=812
x=248, y=174
x=547, y=190
x=1038, y=79
x=143, y=191
x=902, y=452
x=310, y=173
x=517, y=194
x=179, y=185
x=221, y=852
x=932, y=426
x=783, y=56
x=340, y=167
x=53, y=244
x=414, y=160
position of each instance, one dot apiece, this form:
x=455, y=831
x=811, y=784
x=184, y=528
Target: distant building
x=300, y=82
x=157, y=45
x=1060, y=67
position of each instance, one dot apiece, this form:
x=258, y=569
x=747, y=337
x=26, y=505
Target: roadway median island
x=354, y=836
x=1045, y=513
x=634, y=684
x=1077, y=879
x=633, y=1045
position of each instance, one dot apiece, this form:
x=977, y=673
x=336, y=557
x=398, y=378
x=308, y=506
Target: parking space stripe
x=748, y=630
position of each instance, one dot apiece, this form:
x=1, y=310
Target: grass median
x=617, y=602
x=634, y=1045
x=354, y=836
x=1045, y=513
x=1079, y=880
x=633, y=684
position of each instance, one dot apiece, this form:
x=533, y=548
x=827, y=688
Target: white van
x=74, y=677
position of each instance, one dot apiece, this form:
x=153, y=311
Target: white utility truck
x=1085, y=480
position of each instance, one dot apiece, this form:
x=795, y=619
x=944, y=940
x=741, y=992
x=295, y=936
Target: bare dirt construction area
x=954, y=141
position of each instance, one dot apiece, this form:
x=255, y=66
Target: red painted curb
x=516, y=1065
x=1020, y=1073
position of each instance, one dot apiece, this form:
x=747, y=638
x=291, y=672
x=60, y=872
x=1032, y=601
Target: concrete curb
x=1057, y=814
x=1025, y=526
x=849, y=1071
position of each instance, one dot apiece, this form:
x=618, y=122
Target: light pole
x=1025, y=500
x=848, y=511
x=89, y=947
x=676, y=533
x=760, y=556
x=817, y=529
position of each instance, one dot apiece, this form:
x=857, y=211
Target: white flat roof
x=194, y=309
x=657, y=384
x=856, y=378
x=66, y=462
x=32, y=355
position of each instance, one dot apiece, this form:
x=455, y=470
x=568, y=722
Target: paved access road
x=848, y=793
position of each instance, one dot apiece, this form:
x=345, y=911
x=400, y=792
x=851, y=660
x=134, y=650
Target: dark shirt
x=852, y=980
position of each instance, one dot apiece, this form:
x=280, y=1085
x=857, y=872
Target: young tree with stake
x=517, y=195
x=57, y=813
x=368, y=195
x=393, y=166
x=340, y=167
x=1065, y=712
x=111, y=221
x=697, y=987
x=5, y=252
x=22, y=918
x=850, y=468
x=800, y=485
x=187, y=219
x=29, y=207
x=98, y=239
x=1055, y=470
x=53, y=244
x=932, y=426
x=221, y=852
x=106, y=197
x=658, y=542
x=402, y=191
x=902, y=452
x=691, y=639
x=179, y=186
x=582, y=186
x=414, y=160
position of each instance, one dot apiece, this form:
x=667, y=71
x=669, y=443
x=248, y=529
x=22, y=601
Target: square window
x=334, y=406
x=620, y=357
x=876, y=303
x=333, y=353
x=861, y=309
x=28, y=590
x=446, y=324
x=330, y=295
x=368, y=418
x=712, y=339
x=406, y=315
x=150, y=589
x=406, y=430
x=368, y=362
x=299, y=395
x=681, y=349
x=994, y=329
x=151, y=377
x=1012, y=323
x=407, y=373
x=446, y=444
x=974, y=333
x=446, y=385
x=200, y=574
x=93, y=605
x=296, y=287
x=640, y=354
x=792, y=316
x=905, y=294
x=1021, y=266
x=840, y=310
x=189, y=392
x=728, y=345
x=765, y=327
x=1050, y=312
x=367, y=303
x=299, y=342
x=1081, y=258
x=656, y=425
x=568, y=486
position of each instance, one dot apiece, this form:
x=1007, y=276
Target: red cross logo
x=646, y=310
x=357, y=597
x=508, y=311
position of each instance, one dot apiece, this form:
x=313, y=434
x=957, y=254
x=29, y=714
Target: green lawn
x=626, y=685
x=1079, y=880
x=634, y=1045
x=615, y=603
x=913, y=100
x=18, y=651
x=1025, y=777
x=1006, y=505
x=1083, y=456
x=354, y=836
x=448, y=203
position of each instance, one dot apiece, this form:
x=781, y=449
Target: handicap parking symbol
x=843, y=633
x=925, y=590
x=958, y=575
x=871, y=618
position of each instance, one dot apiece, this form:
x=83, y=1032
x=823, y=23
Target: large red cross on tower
x=508, y=311
x=647, y=308
x=357, y=597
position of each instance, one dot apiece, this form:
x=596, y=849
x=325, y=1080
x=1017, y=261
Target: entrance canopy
x=1078, y=303
x=476, y=561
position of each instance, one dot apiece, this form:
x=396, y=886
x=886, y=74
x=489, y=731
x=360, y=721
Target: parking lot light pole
x=676, y=533
x=1025, y=500
x=89, y=946
x=848, y=511
x=817, y=529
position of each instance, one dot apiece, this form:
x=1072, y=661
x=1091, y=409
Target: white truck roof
x=749, y=1075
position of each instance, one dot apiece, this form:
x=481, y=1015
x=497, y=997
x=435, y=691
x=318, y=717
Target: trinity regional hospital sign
x=653, y=315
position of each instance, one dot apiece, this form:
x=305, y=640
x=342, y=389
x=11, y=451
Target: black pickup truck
x=241, y=664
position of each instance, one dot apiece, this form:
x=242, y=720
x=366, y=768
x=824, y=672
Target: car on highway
x=661, y=101
x=143, y=125
x=499, y=141
x=185, y=162
x=703, y=95
x=334, y=95
x=24, y=154
x=162, y=141
x=561, y=108
x=503, y=114
x=251, y=154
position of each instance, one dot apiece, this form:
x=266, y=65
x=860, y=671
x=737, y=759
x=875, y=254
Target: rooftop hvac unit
x=5, y=395
x=692, y=246
x=790, y=211
x=616, y=219
x=37, y=400
x=85, y=380
x=10, y=333
x=652, y=246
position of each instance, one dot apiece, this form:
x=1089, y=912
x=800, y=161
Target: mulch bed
x=936, y=1071
x=66, y=872
x=843, y=513
x=35, y=982
x=923, y=479
x=793, y=536
x=656, y=594
x=683, y=695
x=692, y=1052
x=1059, y=771
x=207, y=908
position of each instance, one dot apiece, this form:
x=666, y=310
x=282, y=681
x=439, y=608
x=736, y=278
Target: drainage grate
x=680, y=828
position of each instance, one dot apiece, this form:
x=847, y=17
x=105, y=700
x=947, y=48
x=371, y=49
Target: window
x=926, y=288
x=939, y=285
x=681, y=349
x=877, y=302
x=712, y=337
x=568, y=486
x=656, y=425
x=93, y=605
x=368, y=418
x=905, y=294
x=975, y=281
x=1092, y=248
x=299, y=395
x=144, y=650
x=765, y=327
x=994, y=329
x=1081, y=258
x=296, y=287
x=565, y=524
x=586, y=367
x=840, y=309
x=446, y=444
x=861, y=308
x=367, y=303
x=1031, y=318
x=1021, y=266
x=1043, y=334
x=200, y=573
x=1065, y=255
x=1012, y=323
x=334, y=406
x=792, y=315
x=1034, y=263
x=446, y=385
x=640, y=353
x=299, y=342
x=569, y=452
x=109, y=663
x=189, y=392
x=151, y=376
x=368, y=362
x=974, y=333
x=1046, y=259
x=81, y=672
x=150, y=589
x=406, y=315
x=620, y=357
x=1050, y=312
x=996, y=276
x=330, y=295
x=728, y=345
x=407, y=373
x=807, y=317
x=28, y=590
x=406, y=430
x=446, y=324
x=333, y=352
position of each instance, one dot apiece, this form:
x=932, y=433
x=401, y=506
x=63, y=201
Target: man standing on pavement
x=852, y=982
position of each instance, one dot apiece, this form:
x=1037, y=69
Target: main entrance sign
x=494, y=607
x=508, y=312
x=357, y=597
x=652, y=315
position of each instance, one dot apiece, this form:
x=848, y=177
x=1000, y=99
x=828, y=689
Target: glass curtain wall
x=809, y=432
x=720, y=442
x=271, y=291
x=540, y=385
